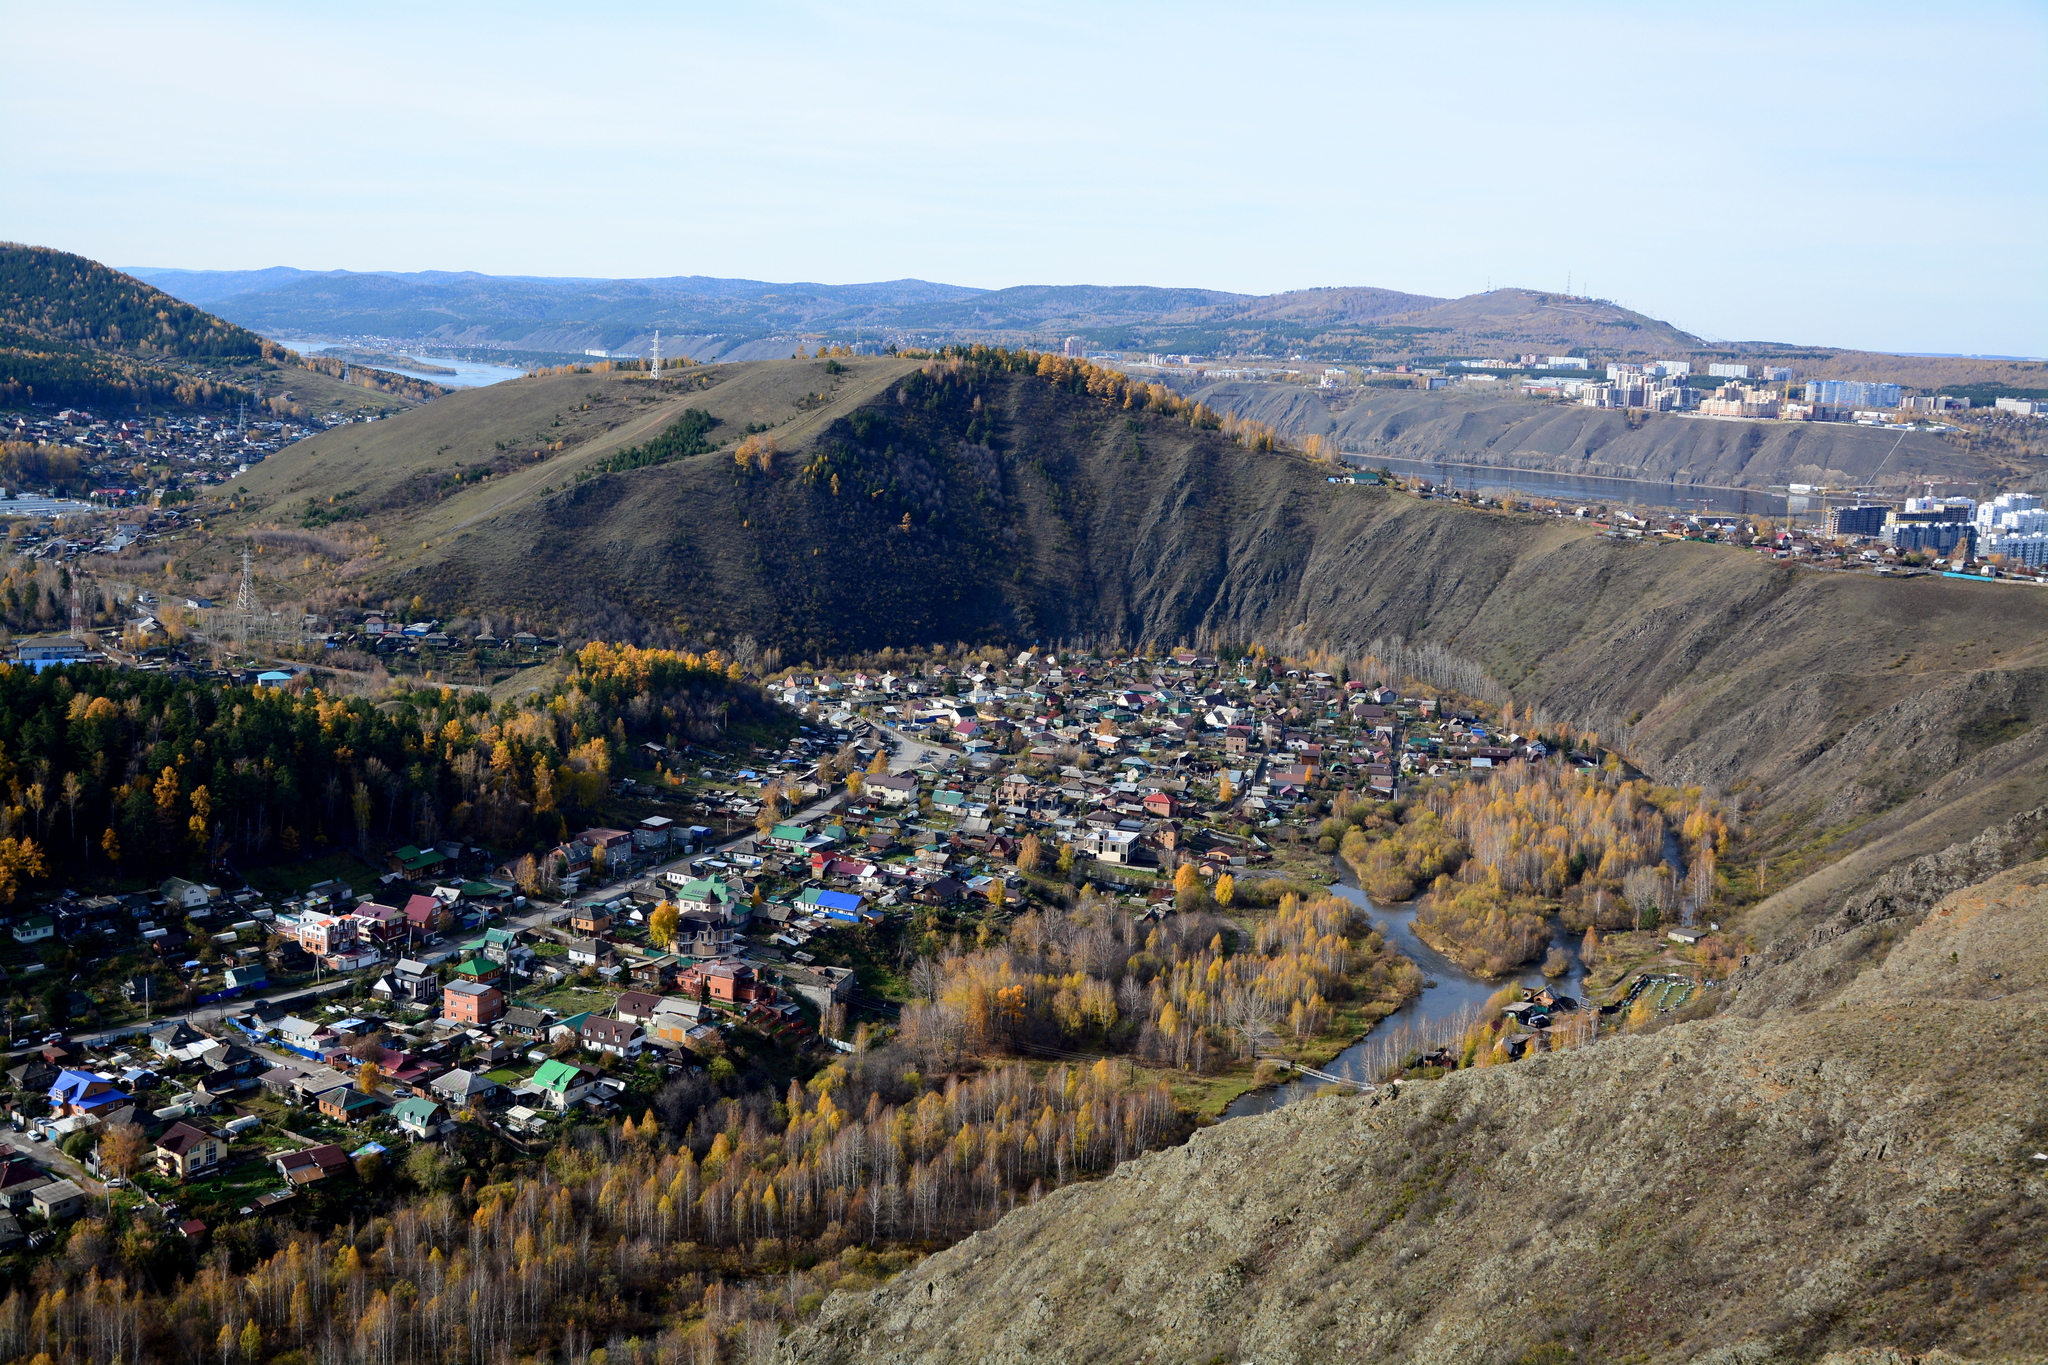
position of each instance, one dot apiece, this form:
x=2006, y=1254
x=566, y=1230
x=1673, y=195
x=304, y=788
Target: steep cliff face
x=1727, y=1190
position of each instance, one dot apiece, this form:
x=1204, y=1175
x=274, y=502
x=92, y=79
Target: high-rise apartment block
x=1864, y=519
x=1851, y=393
x=1728, y=371
x=1076, y=347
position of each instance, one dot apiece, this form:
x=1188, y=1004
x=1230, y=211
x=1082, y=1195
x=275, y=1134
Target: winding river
x=1431, y=1017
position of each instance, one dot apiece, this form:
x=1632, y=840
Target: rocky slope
x=1857, y=1172
x=1508, y=431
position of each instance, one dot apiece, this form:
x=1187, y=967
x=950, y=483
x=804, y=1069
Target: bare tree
x=1249, y=1015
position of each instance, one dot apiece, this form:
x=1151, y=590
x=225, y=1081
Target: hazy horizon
x=1793, y=182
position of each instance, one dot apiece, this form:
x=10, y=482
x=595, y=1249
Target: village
x=255, y=1043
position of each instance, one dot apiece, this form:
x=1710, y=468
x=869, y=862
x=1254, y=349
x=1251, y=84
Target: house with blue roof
x=83, y=1092
x=839, y=905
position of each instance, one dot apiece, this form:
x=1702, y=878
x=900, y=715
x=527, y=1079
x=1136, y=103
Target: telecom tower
x=656, y=370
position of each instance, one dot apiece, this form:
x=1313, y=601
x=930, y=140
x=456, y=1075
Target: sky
x=1867, y=174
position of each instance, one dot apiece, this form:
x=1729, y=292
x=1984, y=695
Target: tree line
x=111, y=772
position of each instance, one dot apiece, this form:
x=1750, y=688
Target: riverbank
x=1437, y=1015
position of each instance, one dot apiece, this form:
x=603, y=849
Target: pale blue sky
x=1855, y=174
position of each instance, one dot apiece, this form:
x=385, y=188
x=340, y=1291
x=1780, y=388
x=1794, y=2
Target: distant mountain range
x=754, y=319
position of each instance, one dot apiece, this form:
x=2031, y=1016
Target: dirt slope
x=1858, y=1173
x=1512, y=432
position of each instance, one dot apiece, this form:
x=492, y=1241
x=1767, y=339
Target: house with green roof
x=791, y=837
x=562, y=1084
x=705, y=893
x=480, y=970
x=421, y=1118
x=414, y=861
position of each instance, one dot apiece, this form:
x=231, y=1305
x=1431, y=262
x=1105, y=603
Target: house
x=821, y=987
x=323, y=935
x=345, y=1104
x=314, y=1163
x=427, y=915
x=839, y=905
x=655, y=832
x=231, y=1058
x=58, y=1200
x=891, y=790
x=381, y=925
x=184, y=895
x=421, y=1118
x=413, y=862
x=252, y=977
x=464, y=1088
x=728, y=981
x=184, y=1151
x=1688, y=937
x=610, y=840
x=281, y=1080
x=637, y=1007
x=1161, y=805
x=82, y=1092
x=562, y=1083
x=480, y=970
x=673, y=1020
x=35, y=929
x=589, y=952
x=519, y=1022
x=471, y=1002
x=619, y=1037
x=590, y=920
x=499, y=946
x=19, y=1180
x=705, y=895
x=702, y=934
x=174, y=1036
x=656, y=974
x=32, y=1075
x=789, y=838
x=409, y=983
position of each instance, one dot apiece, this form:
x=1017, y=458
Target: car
x=116, y=1183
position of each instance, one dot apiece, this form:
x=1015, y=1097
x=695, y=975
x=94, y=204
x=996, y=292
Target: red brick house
x=472, y=1002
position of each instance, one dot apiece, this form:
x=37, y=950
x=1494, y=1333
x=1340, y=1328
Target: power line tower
x=246, y=605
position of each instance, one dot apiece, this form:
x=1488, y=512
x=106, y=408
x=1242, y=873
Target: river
x=1433, y=1017
x=1542, y=483
x=469, y=374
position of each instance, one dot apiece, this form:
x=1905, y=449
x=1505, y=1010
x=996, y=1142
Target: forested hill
x=58, y=297
x=77, y=333
x=117, y=771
